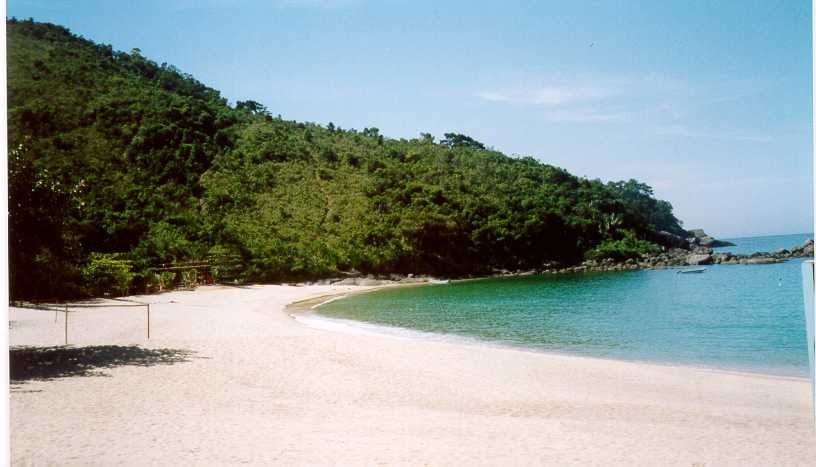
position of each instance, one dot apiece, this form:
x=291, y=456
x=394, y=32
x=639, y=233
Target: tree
x=252, y=106
x=371, y=132
x=638, y=198
x=456, y=140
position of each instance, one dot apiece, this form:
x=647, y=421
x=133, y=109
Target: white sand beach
x=256, y=386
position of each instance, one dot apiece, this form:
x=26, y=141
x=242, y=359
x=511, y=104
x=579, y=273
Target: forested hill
x=118, y=164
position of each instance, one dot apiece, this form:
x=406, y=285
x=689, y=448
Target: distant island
x=118, y=165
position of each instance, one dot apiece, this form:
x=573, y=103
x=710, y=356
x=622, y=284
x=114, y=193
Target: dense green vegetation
x=118, y=164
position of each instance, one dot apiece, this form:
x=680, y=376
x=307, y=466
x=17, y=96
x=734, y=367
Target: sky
x=707, y=102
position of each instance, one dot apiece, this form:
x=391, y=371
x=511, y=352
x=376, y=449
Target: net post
x=148, y=321
x=66, y=324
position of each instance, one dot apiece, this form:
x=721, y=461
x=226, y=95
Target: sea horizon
x=732, y=237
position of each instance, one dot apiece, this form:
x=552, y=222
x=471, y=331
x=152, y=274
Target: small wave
x=337, y=297
x=348, y=326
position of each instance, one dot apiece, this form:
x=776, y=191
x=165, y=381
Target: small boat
x=691, y=271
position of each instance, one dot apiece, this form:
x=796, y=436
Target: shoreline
x=671, y=258
x=307, y=309
x=250, y=385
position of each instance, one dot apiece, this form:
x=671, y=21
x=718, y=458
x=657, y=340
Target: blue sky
x=708, y=102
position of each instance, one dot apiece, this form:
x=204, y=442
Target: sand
x=252, y=385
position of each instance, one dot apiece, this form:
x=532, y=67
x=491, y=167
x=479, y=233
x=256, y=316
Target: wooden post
x=66, y=324
x=148, y=321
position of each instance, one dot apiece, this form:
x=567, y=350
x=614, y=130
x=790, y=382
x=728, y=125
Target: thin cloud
x=578, y=102
x=548, y=95
x=581, y=99
x=686, y=132
x=586, y=116
x=754, y=182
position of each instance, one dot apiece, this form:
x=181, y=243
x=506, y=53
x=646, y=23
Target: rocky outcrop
x=670, y=257
x=699, y=237
x=670, y=240
x=761, y=260
x=702, y=255
x=800, y=252
x=693, y=256
x=699, y=259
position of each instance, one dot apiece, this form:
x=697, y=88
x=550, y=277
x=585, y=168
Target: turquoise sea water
x=739, y=317
x=748, y=245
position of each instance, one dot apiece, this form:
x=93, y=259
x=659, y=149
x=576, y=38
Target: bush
x=106, y=273
x=624, y=248
x=189, y=278
x=159, y=281
x=166, y=279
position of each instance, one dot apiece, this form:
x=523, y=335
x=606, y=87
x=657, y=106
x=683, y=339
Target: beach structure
x=808, y=290
x=186, y=275
x=67, y=308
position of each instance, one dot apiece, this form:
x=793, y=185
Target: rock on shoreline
x=671, y=257
x=695, y=256
x=675, y=257
x=700, y=238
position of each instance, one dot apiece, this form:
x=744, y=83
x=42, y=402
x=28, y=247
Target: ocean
x=732, y=317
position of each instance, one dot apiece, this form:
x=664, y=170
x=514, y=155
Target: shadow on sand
x=44, y=363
